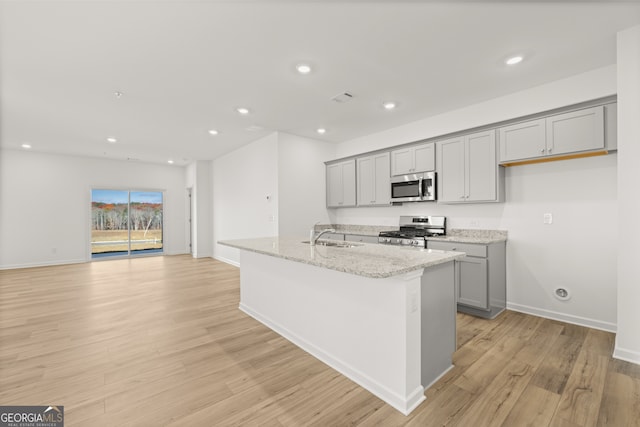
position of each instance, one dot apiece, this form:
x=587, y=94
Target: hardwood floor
x=160, y=341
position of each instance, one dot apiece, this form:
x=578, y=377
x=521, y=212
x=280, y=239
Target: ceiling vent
x=255, y=128
x=342, y=97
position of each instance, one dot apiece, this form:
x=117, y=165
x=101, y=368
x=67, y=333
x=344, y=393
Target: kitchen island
x=383, y=316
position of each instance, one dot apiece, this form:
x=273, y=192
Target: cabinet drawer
x=469, y=248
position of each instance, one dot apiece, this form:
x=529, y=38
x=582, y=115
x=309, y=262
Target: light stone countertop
x=483, y=237
x=369, y=260
x=454, y=235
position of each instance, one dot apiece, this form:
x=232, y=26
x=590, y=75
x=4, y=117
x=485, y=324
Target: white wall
x=301, y=183
x=242, y=180
x=577, y=193
x=32, y=183
x=628, y=337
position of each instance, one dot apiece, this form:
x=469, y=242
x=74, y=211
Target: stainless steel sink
x=332, y=243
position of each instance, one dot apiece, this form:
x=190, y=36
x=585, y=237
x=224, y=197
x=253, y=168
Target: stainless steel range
x=413, y=231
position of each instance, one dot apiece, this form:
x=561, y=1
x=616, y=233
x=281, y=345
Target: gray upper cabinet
x=561, y=134
x=341, y=184
x=468, y=169
x=374, y=183
x=523, y=140
x=580, y=130
x=413, y=159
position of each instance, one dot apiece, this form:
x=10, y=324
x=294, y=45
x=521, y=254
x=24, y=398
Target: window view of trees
x=123, y=221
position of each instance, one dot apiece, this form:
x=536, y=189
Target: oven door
x=407, y=188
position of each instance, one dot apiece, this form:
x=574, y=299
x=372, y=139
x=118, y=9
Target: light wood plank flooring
x=160, y=341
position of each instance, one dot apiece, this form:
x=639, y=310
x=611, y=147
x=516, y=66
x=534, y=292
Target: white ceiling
x=184, y=66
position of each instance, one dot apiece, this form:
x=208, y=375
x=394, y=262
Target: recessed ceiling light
x=213, y=132
x=321, y=131
x=170, y=162
x=514, y=60
x=242, y=110
x=303, y=68
x=26, y=146
x=112, y=140
x=389, y=105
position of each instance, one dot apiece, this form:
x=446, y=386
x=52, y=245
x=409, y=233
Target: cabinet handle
x=542, y=151
x=549, y=149
x=462, y=197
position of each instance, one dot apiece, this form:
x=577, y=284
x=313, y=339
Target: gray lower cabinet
x=333, y=236
x=360, y=238
x=480, y=277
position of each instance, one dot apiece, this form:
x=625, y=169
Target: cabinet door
x=349, y=183
x=334, y=185
x=402, y=161
x=522, y=141
x=472, y=282
x=366, y=183
x=451, y=178
x=374, y=182
x=382, y=179
x=425, y=157
x=576, y=131
x=482, y=167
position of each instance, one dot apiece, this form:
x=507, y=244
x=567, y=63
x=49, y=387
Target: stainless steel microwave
x=417, y=187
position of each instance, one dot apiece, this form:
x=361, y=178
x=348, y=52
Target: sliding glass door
x=125, y=223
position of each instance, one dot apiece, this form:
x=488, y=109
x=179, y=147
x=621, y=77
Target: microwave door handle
x=420, y=189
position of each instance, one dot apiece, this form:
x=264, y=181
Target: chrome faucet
x=313, y=239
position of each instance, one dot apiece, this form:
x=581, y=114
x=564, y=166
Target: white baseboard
x=563, y=317
x=202, y=255
x=626, y=355
x=403, y=404
x=227, y=261
x=42, y=264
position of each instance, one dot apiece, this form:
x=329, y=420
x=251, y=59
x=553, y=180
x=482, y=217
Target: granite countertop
x=359, y=230
x=454, y=235
x=472, y=236
x=369, y=260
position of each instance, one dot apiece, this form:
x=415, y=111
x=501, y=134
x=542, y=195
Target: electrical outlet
x=547, y=218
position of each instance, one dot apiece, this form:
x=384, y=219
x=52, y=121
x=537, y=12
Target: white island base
x=394, y=336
